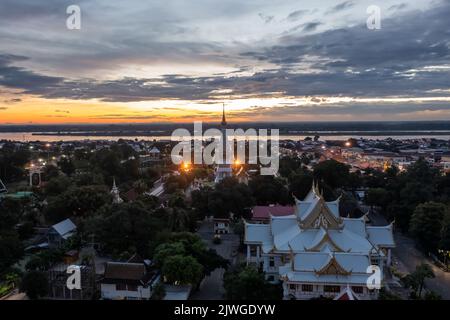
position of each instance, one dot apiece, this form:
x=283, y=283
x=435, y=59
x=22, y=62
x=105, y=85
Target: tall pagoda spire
x=224, y=121
x=115, y=193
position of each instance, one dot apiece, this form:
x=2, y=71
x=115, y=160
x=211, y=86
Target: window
x=332, y=289
x=358, y=289
x=271, y=262
x=121, y=287
x=132, y=287
x=292, y=286
x=270, y=278
x=307, y=288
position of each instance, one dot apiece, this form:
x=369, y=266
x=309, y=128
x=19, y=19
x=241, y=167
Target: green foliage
x=248, y=284
x=377, y=197
x=66, y=165
x=11, y=248
x=300, y=184
x=125, y=227
x=416, y=280
x=77, y=201
x=269, y=190
x=12, y=162
x=158, y=292
x=35, y=284
x=189, y=244
x=165, y=250
x=182, y=270
x=426, y=224
x=333, y=173
x=431, y=295
x=387, y=295
x=57, y=185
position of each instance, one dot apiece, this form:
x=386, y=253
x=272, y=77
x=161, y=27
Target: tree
x=426, y=224
x=77, y=201
x=57, y=185
x=34, y=284
x=182, y=270
x=11, y=249
x=269, y=190
x=333, y=173
x=66, y=166
x=189, y=244
x=300, y=184
x=165, y=250
x=377, y=197
x=416, y=280
x=126, y=227
x=230, y=196
x=159, y=292
x=248, y=284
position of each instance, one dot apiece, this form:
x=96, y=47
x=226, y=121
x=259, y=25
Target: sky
x=140, y=61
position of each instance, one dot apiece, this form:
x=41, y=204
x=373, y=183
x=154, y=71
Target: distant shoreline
x=289, y=133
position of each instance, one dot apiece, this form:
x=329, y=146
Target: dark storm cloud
x=400, y=6
x=294, y=16
x=354, y=62
x=341, y=6
x=310, y=26
x=20, y=78
x=353, y=109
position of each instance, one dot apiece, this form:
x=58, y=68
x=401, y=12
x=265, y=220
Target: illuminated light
x=31, y=147
x=186, y=166
x=40, y=160
x=53, y=158
x=237, y=162
x=348, y=144
x=323, y=147
x=48, y=145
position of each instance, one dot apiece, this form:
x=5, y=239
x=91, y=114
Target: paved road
x=211, y=287
x=406, y=257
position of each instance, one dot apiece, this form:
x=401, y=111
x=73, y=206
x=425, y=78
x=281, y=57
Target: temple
x=115, y=193
x=317, y=253
x=223, y=169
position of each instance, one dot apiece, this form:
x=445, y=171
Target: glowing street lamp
x=348, y=144
x=186, y=166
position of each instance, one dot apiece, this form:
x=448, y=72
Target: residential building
x=128, y=281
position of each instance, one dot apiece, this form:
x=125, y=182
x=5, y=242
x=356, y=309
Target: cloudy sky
x=178, y=60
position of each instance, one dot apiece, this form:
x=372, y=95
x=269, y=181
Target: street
x=406, y=257
x=211, y=287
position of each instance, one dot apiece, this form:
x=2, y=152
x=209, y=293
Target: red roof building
x=262, y=213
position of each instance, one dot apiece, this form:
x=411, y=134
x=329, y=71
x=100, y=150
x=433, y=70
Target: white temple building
x=315, y=252
x=116, y=193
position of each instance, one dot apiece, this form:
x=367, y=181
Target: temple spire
x=224, y=121
x=115, y=193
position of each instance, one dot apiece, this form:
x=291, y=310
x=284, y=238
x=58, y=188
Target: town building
x=60, y=232
x=221, y=226
x=315, y=252
x=128, y=281
x=262, y=214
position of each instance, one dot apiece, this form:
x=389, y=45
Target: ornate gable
x=326, y=239
x=321, y=217
x=332, y=267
